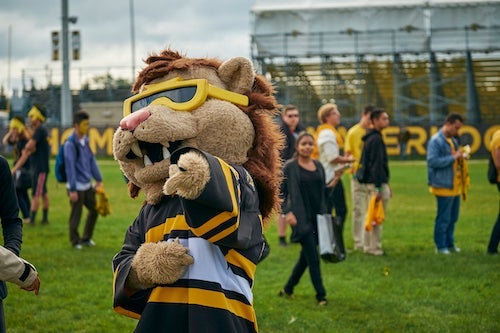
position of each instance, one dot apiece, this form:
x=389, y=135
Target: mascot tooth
x=199, y=140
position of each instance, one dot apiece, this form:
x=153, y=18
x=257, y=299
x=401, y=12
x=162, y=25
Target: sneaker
x=283, y=293
x=442, y=251
x=375, y=252
x=454, y=249
x=283, y=242
x=77, y=246
x=45, y=222
x=323, y=302
x=88, y=243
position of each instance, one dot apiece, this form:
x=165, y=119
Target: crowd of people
x=326, y=155
x=30, y=169
x=312, y=185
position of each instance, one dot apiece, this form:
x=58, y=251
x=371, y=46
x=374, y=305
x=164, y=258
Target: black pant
x=24, y=202
x=336, y=199
x=309, y=257
x=2, y=317
x=87, y=199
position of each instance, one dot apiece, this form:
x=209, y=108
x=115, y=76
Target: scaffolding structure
x=417, y=59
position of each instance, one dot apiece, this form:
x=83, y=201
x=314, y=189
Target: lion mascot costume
x=199, y=139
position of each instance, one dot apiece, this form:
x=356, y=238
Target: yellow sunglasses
x=180, y=95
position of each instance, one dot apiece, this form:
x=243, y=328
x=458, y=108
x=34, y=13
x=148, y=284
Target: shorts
x=39, y=187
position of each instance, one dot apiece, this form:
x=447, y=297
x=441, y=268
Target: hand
x=458, y=154
x=378, y=196
x=291, y=219
x=99, y=187
x=188, y=177
x=35, y=286
x=335, y=180
x=73, y=196
x=158, y=263
x=350, y=159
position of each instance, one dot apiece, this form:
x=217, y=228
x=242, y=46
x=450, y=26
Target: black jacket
x=293, y=201
x=374, y=166
x=289, y=149
x=9, y=215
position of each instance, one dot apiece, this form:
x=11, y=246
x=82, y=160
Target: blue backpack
x=60, y=167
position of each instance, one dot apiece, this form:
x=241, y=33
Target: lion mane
x=264, y=163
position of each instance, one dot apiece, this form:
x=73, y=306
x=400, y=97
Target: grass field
x=410, y=289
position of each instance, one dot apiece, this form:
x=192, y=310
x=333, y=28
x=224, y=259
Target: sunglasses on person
x=180, y=95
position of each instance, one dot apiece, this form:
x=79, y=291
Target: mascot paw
x=188, y=177
x=158, y=263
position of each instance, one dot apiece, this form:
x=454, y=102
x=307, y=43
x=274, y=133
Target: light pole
x=66, y=102
x=132, y=38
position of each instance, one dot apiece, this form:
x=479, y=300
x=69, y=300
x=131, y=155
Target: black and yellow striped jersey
x=222, y=229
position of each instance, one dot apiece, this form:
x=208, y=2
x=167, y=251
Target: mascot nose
x=133, y=120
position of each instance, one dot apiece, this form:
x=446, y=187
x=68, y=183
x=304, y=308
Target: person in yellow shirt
x=495, y=154
x=444, y=179
x=359, y=192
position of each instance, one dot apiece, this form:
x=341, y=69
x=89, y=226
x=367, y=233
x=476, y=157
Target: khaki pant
x=373, y=239
x=359, y=195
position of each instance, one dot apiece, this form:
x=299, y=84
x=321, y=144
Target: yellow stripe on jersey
x=208, y=298
x=237, y=259
x=127, y=313
x=156, y=233
x=119, y=309
x=217, y=220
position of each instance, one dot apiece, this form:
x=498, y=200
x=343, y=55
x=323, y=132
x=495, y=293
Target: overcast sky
x=216, y=28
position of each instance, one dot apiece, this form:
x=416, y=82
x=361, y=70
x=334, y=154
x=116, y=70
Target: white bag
x=328, y=250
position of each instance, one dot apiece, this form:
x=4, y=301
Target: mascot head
x=222, y=108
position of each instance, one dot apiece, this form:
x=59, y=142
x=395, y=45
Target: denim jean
x=495, y=237
x=309, y=257
x=446, y=217
x=495, y=233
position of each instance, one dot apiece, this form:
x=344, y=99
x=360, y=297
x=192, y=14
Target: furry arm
x=189, y=176
x=158, y=263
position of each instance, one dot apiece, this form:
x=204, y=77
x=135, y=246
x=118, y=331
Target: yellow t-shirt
x=457, y=179
x=495, y=144
x=354, y=144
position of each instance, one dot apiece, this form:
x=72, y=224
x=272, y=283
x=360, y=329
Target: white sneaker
x=77, y=246
x=88, y=243
x=454, y=249
x=442, y=251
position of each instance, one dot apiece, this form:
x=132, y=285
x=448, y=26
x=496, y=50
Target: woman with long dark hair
x=303, y=191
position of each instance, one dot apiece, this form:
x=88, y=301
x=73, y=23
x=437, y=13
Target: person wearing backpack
x=81, y=167
x=495, y=159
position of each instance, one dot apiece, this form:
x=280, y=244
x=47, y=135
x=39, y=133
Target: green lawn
x=410, y=289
